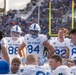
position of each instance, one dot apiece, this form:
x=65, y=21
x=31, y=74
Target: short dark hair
x=16, y=60
x=1, y=34
x=73, y=31
x=57, y=58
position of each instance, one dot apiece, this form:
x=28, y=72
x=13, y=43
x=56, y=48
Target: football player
x=14, y=41
x=3, y=47
x=72, y=46
x=73, y=68
x=32, y=67
x=35, y=42
x=60, y=44
x=55, y=61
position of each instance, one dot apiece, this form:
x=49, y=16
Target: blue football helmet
x=4, y=67
x=34, y=30
x=15, y=31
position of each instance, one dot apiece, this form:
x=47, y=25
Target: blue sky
x=15, y=4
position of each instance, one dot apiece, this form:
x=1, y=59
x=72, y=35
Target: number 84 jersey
x=35, y=45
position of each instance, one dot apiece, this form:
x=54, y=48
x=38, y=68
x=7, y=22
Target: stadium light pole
x=5, y=6
x=39, y=12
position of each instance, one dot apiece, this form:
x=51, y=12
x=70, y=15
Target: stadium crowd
x=34, y=53
x=60, y=9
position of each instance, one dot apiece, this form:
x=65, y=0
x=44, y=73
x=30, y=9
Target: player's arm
x=67, y=53
x=23, y=52
x=20, y=48
x=50, y=48
x=5, y=54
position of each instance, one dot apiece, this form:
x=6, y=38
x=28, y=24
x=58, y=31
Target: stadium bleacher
x=25, y=17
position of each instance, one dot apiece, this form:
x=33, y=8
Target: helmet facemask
x=34, y=30
x=34, y=34
x=15, y=31
x=15, y=34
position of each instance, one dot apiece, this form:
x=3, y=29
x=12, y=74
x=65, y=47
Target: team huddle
x=26, y=56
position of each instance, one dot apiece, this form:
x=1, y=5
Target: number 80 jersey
x=35, y=45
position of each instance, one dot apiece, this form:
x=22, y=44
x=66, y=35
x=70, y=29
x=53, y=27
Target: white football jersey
x=35, y=46
x=72, y=49
x=62, y=70
x=18, y=73
x=60, y=47
x=73, y=70
x=36, y=70
x=3, y=42
x=13, y=47
x=15, y=73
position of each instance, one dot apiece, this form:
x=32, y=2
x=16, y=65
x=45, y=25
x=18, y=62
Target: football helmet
x=34, y=30
x=4, y=67
x=15, y=31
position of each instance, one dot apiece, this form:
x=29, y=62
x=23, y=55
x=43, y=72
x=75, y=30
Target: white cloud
x=15, y=4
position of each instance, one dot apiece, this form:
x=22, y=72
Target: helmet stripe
x=35, y=26
x=16, y=28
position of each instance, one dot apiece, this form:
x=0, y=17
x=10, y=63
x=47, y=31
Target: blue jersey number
x=31, y=49
x=42, y=73
x=60, y=74
x=73, y=51
x=13, y=50
x=61, y=52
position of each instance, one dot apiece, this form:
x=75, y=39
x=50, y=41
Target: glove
x=23, y=60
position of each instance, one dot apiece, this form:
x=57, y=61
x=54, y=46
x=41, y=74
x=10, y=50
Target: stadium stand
x=25, y=17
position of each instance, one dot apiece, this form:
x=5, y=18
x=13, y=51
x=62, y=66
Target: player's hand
x=23, y=60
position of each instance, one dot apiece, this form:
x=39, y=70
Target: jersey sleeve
x=63, y=70
x=44, y=38
x=25, y=37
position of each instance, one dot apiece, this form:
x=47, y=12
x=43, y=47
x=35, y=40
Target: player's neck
x=61, y=39
x=14, y=39
x=32, y=63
